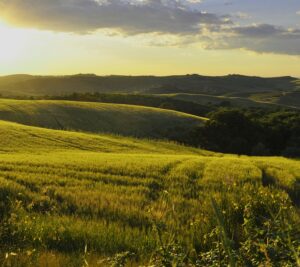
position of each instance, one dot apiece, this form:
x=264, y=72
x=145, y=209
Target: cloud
x=158, y=22
x=298, y=12
x=261, y=38
x=258, y=31
x=82, y=16
x=242, y=15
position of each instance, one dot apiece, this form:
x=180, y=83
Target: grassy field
x=75, y=199
x=18, y=138
x=99, y=117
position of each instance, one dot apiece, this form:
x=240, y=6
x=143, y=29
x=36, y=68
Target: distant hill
x=286, y=100
x=99, y=117
x=291, y=99
x=231, y=85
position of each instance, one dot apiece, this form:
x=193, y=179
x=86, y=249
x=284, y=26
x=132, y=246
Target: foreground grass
x=154, y=203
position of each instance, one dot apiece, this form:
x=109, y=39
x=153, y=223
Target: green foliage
x=119, y=260
x=250, y=132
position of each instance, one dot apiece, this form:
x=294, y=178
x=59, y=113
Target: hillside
x=98, y=117
x=73, y=195
x=195, y=104
x=291, y=99
x=18, y=138
x=238, y=102
x=74, y=198
x=157, y=101
x=193, y=84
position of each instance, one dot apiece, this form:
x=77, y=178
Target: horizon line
x=144, y=75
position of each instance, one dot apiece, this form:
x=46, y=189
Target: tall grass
x=159, y=204
x=110, y=203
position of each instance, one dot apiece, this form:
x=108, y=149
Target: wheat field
x=100, y=195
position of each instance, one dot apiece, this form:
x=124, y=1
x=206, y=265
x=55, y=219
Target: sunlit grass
x=120, y=119
x=65, y=191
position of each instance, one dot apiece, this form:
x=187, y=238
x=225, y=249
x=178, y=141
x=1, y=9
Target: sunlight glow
x=12, y=43
x=25, y=50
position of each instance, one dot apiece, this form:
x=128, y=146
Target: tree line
x=251, y=132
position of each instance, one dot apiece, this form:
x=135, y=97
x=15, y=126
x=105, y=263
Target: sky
x=150, y=37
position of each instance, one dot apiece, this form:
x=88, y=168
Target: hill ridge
x=127, y=120
x=31, y=85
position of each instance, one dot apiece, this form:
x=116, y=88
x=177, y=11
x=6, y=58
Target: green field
x=74, y=199
x=17, y=138
x=99, y=117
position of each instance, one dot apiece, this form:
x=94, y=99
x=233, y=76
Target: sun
x=12, y=43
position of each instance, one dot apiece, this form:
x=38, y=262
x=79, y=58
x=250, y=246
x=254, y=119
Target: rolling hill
x=19, y=138
x=70, y=198
x=75, y=191
x=99, y=117
x=229, y=85
x=238, y=102
x=290, y=99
